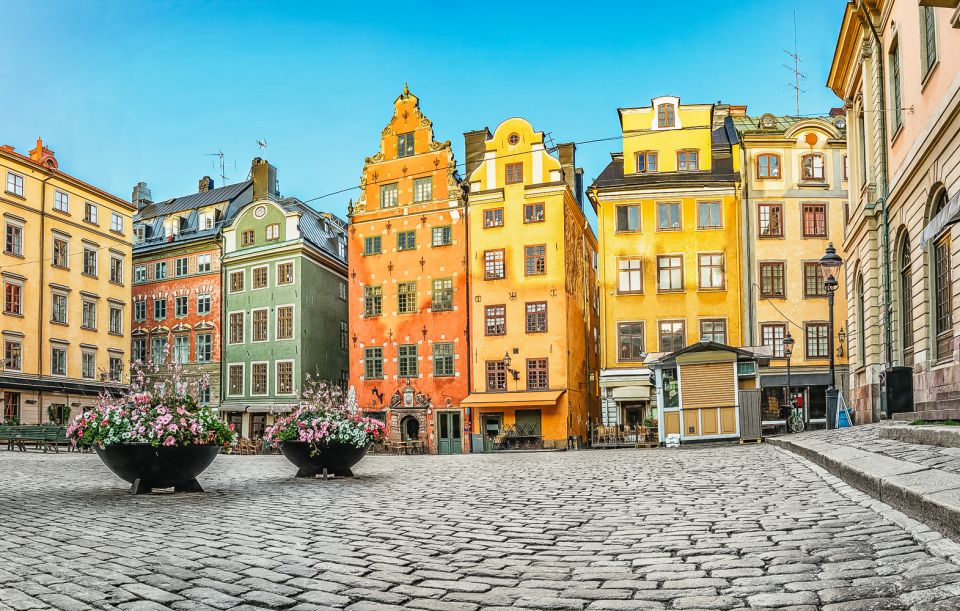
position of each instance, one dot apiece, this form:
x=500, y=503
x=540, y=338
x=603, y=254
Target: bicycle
x=795, y=418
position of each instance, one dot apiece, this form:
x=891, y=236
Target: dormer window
x=666, y=115
x=182, y=223
x=688, y=161
x=812, y=166
x=206, y=220
x=139, y=233
x=405, y=144
x=646, y=161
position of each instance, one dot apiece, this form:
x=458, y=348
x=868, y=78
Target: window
x=260, y=277
x=943, y=299
x=535, y=260
x=90, y=212
x=59, y=307
x=235, y=380
x=90, y=261
x=60, y=253
x=771, y=279
x=285, y=322
x=180, y=266
x=817, y=340
x=373, y=363
x=514, y=173
x=204, y=347
x=181, y=349
x=407, y=360
x=236, y=282
x=272, y=232
x=116, y=270
x=536, y=317
x=236, y=328
x=846, y=168
x=768, y=166
x=533, y=213
x=260, y=325
x=630, y=275
x=814, y=220
x=771, y=220
x=406, y=240
x=688, y=161
x=668, y=216
x=160, y=270
x=139, y=310
x=258, y=378
x=714, y=330
x=342, y=290
x=862, y=147
x=58, y=361
x=88, y=365
x=442, y=295
x=116, y=368
x=371, y=245
x=772, y=334
x=116, y=320
x=180, y=306
x=14, y=184
x=496, y=376
x=407, y=297
x=906, y=303
x=206, y=220
x=537, y=374
x=711, y=271
x=630, y=341
x=443, y=359
x=13, y=244
x=813, y=285
x=140, y=273
x=61, y=201
x=666, y=115
x=12, y=355
x=12, y=298
x=139, y=234
x=896, y=95
x=928, y=36
x=495, y=320
x=493, y=218
x=284, y=273
x=372, y=300
x=159, y=349
x=493, y=265
x=672, y=335
x=139, y=350
x=284, y=377
x=422, y=189
x=405, y=144
x=628, y=218
x=442, y=236
x=709, y=215
x=812, y=166
x=646, y=161
x=670, y=273
x=88, y=314
x=248, y=237
x=203, y=263
x=204, y=301
x=388, y=195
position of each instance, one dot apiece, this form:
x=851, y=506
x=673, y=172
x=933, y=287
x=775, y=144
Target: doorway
x=410, y=429
x=450, y=432
x=491, y=425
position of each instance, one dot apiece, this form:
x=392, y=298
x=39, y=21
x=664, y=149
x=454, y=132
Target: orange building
x=409, y=356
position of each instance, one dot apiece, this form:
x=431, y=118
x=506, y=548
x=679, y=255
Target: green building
x=284, y=304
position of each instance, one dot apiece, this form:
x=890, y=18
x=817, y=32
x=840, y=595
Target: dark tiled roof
x=612, y=176
x=321, y=229
x=194, y=201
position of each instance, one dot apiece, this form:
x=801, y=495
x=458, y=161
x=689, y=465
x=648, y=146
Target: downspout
x=746, y=239
x=468, y=283
x=43, y=269
x=223, y=340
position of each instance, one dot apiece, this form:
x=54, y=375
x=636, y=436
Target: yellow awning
x=529, y=398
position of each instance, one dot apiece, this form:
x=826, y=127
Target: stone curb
x=942, y=436
x=929, y=495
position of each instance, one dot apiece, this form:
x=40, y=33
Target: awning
x=256, y=408
x=635, y=393
x=530, y=398
x=635, y=376
x=796, y=379
x=948, y=216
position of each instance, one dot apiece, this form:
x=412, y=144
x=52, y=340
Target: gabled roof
x=706, y=346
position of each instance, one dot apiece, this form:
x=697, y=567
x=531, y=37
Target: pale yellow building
x=65, y=270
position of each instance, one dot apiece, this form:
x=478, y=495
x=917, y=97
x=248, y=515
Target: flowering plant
x=325, y=415
x=160, y=408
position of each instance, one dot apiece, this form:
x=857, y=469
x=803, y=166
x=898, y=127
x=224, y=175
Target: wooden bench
x=44, y=436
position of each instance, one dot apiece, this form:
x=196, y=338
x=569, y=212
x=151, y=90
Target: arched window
x=768, y=165
x=861, y=321
x=812, y=166
x=666, y=115
x=906, y=303
x=942, y=288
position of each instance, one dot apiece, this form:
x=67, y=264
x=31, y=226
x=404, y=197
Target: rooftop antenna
x=795, y=69
x=548, y=139
x=223, y=171
x=263, y=146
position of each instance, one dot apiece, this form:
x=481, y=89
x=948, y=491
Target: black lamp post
x=506, y=365
x=788, y=343
x=830, y=264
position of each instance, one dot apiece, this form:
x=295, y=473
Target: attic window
x=666, y=115
x=182, y=223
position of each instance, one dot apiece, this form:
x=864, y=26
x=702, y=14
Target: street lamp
x=506, y=365
x=788, y=343
x=830, y=264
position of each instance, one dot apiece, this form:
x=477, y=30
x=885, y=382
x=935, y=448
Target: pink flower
x=169, y=441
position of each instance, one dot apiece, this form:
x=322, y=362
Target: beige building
x=897, y=67
x=65, y=270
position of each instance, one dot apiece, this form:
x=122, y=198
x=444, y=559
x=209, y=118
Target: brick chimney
x=264, y=179
x=141, y=196
x=568, y=164
x=474, y=148
x=206, y=184
x=44, y=156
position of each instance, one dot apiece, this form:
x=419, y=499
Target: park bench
x=45, y=437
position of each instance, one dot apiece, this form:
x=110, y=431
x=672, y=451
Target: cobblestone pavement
x=719, y=527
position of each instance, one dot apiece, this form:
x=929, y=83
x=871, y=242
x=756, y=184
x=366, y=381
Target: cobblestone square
x=720, y=527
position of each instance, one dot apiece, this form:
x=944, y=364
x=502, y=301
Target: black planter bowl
x=148, y=467
x=313, y=458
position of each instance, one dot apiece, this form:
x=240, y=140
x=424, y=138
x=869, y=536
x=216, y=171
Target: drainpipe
x=223, y=340
x=43, y=268
x=746, y=238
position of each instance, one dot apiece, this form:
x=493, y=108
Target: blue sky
x=145, y=91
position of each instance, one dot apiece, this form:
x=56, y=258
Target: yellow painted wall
x=641, y=134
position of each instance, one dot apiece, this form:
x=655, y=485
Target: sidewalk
x=922, y=481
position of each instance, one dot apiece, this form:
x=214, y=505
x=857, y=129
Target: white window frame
x=204, y=263
x=83, y=306
x=110, y=310
x=243, y=378
x=83, y=356
x=119, y=260
x=94, y=211
x=243, y=339
x=266, y=392
x=66, y=359
x=61, y=201
x=140, y=273
x=276, y=271
x=252, y=335
x=276, y=322
x=17, y=184
x=116, y=222
x=209, y=300
x=196, y=347
x=243, y=273
x=276, y=378
x=17, y=224
x=253, y=271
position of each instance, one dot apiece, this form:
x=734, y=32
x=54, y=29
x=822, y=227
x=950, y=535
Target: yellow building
x=795, y=194
x=671, y=275
x=532, y=258
x=65, y=270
